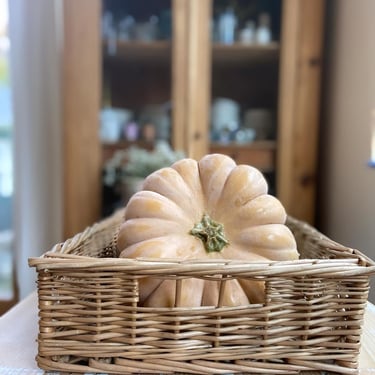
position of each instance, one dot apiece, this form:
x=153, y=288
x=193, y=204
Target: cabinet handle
x=314, y=61
x=197, y=136
x=307, y=180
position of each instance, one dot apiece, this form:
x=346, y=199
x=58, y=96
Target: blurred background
x=96, y=94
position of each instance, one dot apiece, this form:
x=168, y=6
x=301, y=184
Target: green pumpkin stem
x=211, y=233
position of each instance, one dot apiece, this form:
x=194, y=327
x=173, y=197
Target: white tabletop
x=19, y=329
x=18, y=333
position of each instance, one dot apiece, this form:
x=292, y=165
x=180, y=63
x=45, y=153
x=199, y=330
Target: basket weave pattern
x=90, y=320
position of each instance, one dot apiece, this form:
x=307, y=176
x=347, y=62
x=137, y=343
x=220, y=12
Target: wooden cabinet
x=191, y=69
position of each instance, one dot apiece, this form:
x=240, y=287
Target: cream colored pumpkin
x=170, y=218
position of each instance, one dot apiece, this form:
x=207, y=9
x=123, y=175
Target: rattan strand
x=90, y=320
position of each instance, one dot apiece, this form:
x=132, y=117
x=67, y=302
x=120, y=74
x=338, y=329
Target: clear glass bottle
x=263, y=32
x=247, y=34
x=227, y=26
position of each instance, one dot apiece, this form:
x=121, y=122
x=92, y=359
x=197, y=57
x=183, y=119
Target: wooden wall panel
x=81, y=85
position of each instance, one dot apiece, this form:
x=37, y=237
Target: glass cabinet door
x=136, y=71
x=135, y=119
x=245, y=74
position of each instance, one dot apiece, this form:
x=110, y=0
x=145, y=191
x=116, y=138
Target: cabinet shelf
x=259, y=154
x=158, y=51
x=239, y=53
x=109, y=148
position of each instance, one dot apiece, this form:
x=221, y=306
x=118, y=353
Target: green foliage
x=138, y=162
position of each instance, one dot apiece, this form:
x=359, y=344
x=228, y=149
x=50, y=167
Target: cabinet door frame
x=191, y=72
x=81, y=97
x=299, y=106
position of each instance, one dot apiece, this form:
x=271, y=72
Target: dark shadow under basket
x=90, y=320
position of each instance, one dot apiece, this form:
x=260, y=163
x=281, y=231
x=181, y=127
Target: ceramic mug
x=225, y=115
x=112, y=121
x=262, y=121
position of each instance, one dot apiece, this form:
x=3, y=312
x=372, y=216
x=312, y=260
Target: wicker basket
x=90, y=320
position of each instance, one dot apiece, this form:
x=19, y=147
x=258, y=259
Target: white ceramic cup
x=225, y=115
x=112, y=121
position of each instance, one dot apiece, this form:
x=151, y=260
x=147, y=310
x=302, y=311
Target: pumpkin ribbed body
x=180, y=210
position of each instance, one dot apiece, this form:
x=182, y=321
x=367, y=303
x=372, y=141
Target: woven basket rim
x=351, y=263
x=321, y=267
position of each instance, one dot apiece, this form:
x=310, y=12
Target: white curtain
x=36, y=41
